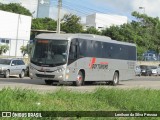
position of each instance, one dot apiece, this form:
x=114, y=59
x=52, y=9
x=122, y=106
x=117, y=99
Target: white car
x=12, y=66
x=138, y=71
x=154, y=70
x=158, y=70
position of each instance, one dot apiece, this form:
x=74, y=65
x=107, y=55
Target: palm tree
x=23, y=50
x=3, y=49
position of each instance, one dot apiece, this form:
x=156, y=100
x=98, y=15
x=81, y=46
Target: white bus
x=79, y=58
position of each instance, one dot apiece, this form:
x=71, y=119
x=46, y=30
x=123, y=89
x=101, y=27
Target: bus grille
x=45, y=76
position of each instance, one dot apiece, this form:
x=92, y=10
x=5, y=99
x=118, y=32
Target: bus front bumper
x=47, y=76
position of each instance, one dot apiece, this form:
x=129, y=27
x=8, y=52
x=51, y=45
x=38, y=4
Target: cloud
x=128, y=6
x=54, y=12
x=151, y=7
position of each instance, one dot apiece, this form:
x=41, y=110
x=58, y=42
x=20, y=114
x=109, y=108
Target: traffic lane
x=147, y=78
x=149, y=82
x=152, y=82
x=17, y=80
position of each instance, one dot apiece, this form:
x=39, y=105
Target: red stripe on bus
x=93, y=60
x=104, y=63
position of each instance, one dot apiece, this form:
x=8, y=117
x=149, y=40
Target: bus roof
x=82, y=36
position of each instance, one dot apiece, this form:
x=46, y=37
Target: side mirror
x=12, y=64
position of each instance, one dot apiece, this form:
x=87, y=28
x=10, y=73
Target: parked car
x=146, y=70
x=158, y=70
x=138, y=71
x=154, y=70
x=12, y=66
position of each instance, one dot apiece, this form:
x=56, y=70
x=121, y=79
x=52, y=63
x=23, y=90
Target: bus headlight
x=2, y=68
x=60, y=70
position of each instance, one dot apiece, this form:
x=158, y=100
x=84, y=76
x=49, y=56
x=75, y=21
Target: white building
x=15, y=32
x=102, y=21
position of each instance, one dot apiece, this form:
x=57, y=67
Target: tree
x=144, y=31
x=71, y=24
x=23, y=50
x=3, y=49
x=15, y=8
x=26, y=49
x=92, y=30
x=44, y=24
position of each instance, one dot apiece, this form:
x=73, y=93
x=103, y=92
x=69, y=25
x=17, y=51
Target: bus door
x=73, y=57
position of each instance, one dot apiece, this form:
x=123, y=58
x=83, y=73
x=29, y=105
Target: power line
x=84, y=13
x=103, y=10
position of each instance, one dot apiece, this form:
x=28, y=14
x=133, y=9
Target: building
x=15, y=32
x=38, y=8
x=102, y=21
x=43, y=8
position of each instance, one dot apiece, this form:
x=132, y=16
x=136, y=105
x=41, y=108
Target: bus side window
x=74, y=50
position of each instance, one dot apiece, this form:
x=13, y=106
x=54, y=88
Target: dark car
x=146, y=70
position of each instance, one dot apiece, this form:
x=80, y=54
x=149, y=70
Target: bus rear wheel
x=115, y=79
x=80, y=79
x=48, y=82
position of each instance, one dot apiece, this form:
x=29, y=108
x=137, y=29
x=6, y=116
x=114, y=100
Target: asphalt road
x=150, y=82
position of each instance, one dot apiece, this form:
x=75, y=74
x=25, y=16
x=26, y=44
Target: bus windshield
x=49, y=52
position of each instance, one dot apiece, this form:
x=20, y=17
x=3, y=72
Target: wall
x=100, y=21
x=150, y=63
x=15, y=28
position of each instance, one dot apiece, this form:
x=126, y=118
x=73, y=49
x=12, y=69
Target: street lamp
x=143, y=9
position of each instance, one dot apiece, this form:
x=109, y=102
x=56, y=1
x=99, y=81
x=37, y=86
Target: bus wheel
x=115, y=79
x=80, y=79
x=48, y=82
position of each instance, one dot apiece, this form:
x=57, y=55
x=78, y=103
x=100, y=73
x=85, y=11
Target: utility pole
x=58, y=18
x=17, y=36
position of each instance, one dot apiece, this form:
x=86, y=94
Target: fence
x=149, y=58
x=14, y=46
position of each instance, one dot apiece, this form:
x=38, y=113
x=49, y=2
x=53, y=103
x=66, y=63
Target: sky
x=83, y=8
x=119, y=7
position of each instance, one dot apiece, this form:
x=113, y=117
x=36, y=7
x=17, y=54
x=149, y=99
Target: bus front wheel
x=80, y=79
x=115, y=79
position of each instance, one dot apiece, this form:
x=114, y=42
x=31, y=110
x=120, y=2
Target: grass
x=99, y=100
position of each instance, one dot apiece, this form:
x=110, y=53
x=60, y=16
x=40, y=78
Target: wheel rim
x=7, y=73
x=79, y=79
x=115, y=79
x=22, y=74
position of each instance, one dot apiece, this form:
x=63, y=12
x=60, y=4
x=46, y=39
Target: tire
x=115, y=79
x=80, y=79
x=48, y=82
x=139, y=75
x=7, y=74
x=27, y=72
x=22, y=74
